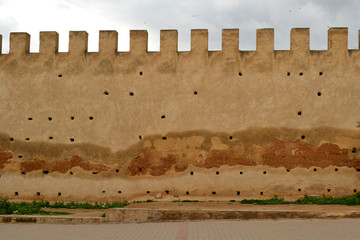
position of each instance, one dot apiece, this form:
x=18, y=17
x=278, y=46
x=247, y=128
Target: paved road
x=252, y=229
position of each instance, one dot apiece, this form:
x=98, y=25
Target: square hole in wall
x=299, y=189
x=167, y=191
x=230, y=137
x=301, y=74
x=240, y=74
x=51, y=137
x=147, y=192
x=195, y=92
x=320, y=73
x=191, y=173
x=217, y=173
x=140, y=137
x=106, y=92
x=71, y=173
x=16, y=193
x=287, y=170
x=213, y=193
x=288, y=73
x=23, y=173
x=30, y=118
x=140, y=73
x=315, y=169
x=187, y=193
x=72, y=117
x=38, y=193
x=163, y=138
x=72, y=139
x=261, y=193
x=328, y=189
x=162, y=116
x=94, y=173
x=91, y=118
x=11, y=139
x=103, y=191
x=117, y=170
x=336, y=169
x=27, y=139
x=299, y=113
x=131, y=93
x=119, y=192
x=238, y=193
x=20, y=156
x=264, y=172
x=46, y=172
x=241, y=173
x=50, y=118
x=355, y=190
x=59, y=194
x=60, y=75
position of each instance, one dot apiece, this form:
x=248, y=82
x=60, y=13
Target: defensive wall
x=112, y=125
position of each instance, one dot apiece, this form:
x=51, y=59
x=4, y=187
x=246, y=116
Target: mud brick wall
x=200, y=124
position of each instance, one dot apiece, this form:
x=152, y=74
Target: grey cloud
x=215, y=15
x=6, y=26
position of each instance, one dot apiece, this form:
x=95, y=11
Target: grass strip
x=350, y=200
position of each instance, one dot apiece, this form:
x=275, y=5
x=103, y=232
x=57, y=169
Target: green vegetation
x=186, y=200
x=147, y=201
x=34, y=207
x=323, y=200
x=351, y=200
x=25, y=208
x=77, y=205
x=271, y=201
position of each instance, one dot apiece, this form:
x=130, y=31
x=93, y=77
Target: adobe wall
x=201, y=124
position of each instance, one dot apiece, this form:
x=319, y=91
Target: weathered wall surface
x=119, y=125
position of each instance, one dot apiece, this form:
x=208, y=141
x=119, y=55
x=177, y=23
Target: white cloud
x=93, y=15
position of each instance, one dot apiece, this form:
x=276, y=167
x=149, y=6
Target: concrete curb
x=49, y=219
x=141, y=215
x=162, y=215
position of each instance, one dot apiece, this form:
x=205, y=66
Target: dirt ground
x=211, y=206
x=238, y=206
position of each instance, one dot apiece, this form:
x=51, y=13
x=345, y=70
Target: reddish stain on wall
x=276, y=154
x=5, y=156
x=61, y=166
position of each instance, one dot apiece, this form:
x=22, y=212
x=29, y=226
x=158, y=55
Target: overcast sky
x=33, y=16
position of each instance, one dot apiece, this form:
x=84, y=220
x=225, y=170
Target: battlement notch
x=230, y=40
x=49, y=43
x=338, y=40
x=19, y=43
x=138, y=41
x=108, y=42
x=199, y=40
x=168, y=41
x=300, y=39
x=265, y=40
x=78, y=42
